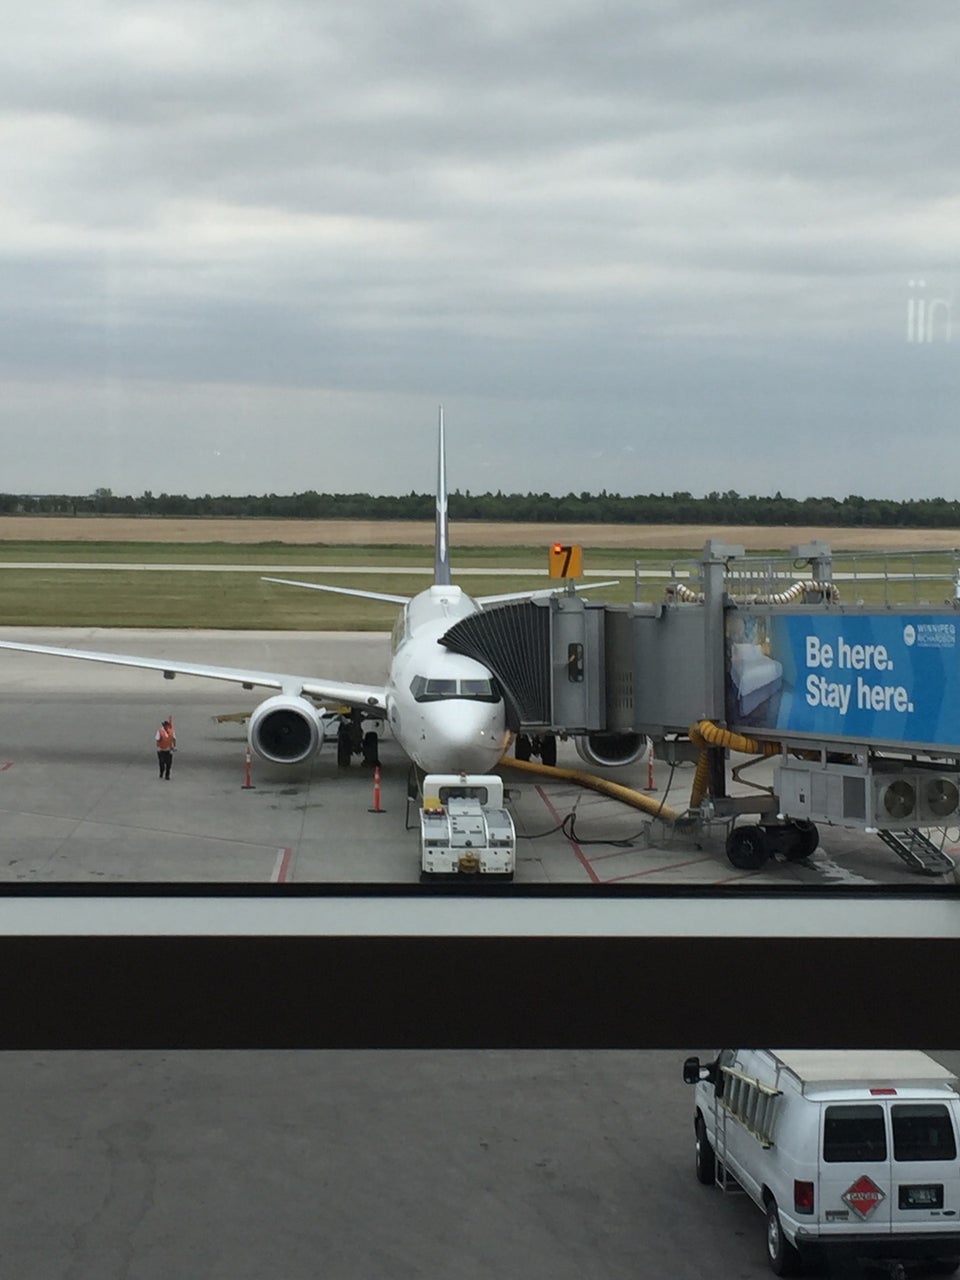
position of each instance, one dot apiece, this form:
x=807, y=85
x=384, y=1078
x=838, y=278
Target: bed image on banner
x=884, y=677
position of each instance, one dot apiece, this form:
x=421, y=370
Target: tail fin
x=441, y=559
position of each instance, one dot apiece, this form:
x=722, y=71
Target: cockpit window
x=441, y=688
x=433, y=690
x=475, y=688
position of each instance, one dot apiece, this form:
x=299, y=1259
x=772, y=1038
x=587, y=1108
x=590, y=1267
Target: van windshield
x=922, y=1131
x=854, y=1133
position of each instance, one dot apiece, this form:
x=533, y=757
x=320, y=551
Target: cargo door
x=926, y=1182
x=855, y=1180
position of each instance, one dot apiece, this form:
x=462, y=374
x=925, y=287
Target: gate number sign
x=566, y=561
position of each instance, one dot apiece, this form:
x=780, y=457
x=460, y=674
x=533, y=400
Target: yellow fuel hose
x=703, y=734
x=615, y=789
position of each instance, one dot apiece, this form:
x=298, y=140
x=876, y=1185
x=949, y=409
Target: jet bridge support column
x=713, y=569
x=820, y=557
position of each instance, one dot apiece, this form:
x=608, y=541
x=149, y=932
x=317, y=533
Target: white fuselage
x=444, y=709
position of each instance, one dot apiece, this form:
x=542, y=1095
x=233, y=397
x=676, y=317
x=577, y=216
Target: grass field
x=118, y=598
x=230, y=599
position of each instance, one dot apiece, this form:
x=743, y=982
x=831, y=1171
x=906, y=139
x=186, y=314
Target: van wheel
x=782, y=1256
x=706, y=1160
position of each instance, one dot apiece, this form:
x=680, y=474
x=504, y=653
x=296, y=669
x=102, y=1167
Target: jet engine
x=611, y=748
x=285, y=729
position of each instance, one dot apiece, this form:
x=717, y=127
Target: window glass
x=923, y=1131
x=480, y=794
x=226, y=335
x=854, y=1133
x=425, y=690
x=475, y=689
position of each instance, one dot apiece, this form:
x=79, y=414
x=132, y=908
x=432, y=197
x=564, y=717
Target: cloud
x=559, y=217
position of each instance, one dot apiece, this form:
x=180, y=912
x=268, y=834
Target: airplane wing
x=341, y=591
x=370, y=697
x=481, y=600
x=540, y=595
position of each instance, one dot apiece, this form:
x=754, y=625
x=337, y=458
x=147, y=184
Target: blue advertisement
x=886, y=677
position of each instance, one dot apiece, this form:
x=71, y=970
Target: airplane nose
x=471, y=734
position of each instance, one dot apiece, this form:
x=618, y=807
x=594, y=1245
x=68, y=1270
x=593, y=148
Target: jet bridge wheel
x=747, y=848
x=801, y=838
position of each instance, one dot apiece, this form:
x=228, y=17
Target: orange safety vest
x=165, y=739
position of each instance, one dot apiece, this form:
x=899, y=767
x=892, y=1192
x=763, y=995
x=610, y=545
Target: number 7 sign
x=566, y=561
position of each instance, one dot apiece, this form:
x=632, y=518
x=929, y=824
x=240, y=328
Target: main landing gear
x=749, y=847
x=352, y=740
x=528, y=745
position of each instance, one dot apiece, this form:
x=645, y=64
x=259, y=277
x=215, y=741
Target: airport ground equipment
x=850, y=1156
x=464, y=828
x=844, y=671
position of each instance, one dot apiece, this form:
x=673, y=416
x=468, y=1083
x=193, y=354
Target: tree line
x=682, y=507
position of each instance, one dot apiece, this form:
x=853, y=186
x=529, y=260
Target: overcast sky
x=636, y=245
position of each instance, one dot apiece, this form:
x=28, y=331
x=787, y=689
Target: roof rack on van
x=827, y=1068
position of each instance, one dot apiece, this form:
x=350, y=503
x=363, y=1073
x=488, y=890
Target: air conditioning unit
x=896, y=802
x=939, y=795
x=873, y=795
x=918, y=798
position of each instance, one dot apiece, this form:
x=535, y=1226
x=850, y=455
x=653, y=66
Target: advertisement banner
x=884, y=677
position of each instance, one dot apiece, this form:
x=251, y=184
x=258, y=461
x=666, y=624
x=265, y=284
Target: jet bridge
x=850, y=679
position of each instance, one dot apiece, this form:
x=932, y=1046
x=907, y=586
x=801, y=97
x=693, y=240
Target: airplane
x=445, y=710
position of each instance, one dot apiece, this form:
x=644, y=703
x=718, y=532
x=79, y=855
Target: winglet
x=441, y=560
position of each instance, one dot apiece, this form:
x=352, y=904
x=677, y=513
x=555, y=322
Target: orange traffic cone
x=651, y=785
x=376, y=792
x=247, y=784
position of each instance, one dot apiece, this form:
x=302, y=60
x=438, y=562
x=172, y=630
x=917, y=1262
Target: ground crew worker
x=166, y=741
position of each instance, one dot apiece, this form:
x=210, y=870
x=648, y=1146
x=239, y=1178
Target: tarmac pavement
x=80, y=797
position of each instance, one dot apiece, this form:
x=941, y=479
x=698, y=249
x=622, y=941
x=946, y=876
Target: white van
x=851, y=1155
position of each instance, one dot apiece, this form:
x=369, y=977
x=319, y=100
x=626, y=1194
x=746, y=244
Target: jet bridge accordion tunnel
x=859, y=703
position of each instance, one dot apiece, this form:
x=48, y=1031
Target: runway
x=80, y=798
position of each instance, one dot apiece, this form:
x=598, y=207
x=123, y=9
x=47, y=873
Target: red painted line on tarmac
x=747, y=875
x=670, y=866
x=6, y=765
x=617, y=853
x=582, y=858
x=282, y=866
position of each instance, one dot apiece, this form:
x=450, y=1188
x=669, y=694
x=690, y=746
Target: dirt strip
x=462, y=533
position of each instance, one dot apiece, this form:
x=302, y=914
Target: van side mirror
x=694, y=1071
x=691, y=1071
